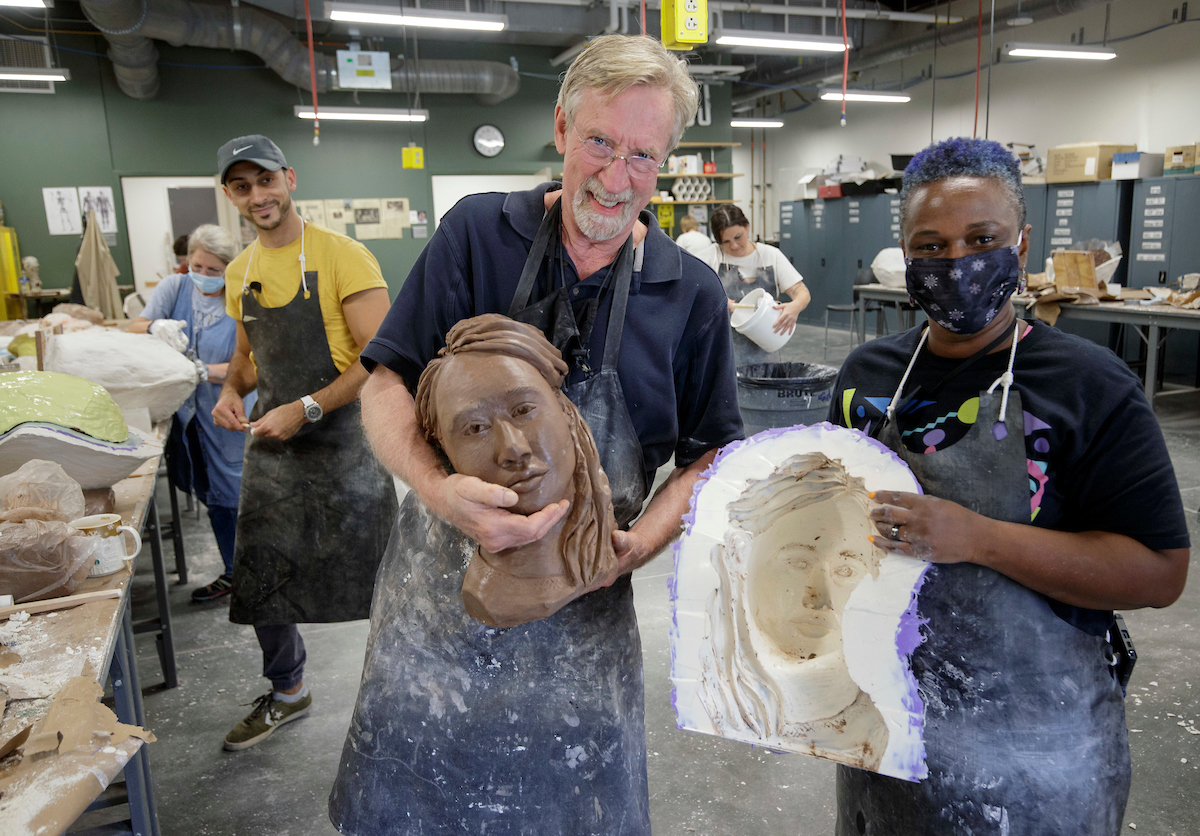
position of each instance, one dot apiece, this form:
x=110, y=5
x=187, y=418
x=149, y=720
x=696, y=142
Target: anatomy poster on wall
x=367, y=225
x=313, y=211
x=99, y=199
x=62, y=211
x=395, y=216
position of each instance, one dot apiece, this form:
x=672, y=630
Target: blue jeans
x=283, y=654
x=224, y=526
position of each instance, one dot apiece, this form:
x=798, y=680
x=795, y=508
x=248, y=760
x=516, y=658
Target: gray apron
x=1024, y=721
x=745, y=350
x=536, y=730
x=315, y=511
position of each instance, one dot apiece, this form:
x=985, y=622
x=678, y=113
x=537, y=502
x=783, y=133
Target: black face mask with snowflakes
x=964, y=294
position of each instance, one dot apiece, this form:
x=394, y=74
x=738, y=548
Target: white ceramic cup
x=758, y=324
x=110, y=555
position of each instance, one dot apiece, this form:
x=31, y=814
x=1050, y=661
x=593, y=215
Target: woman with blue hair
x=1048, y=501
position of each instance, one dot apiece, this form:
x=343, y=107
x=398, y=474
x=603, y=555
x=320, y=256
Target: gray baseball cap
x=255, y=148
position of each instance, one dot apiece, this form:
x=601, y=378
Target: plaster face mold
x=790, y=630
x=71, y=421
x=492, y=401
x=138, y=370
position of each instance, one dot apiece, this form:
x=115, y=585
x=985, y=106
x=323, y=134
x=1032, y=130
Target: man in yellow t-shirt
x=316, y=508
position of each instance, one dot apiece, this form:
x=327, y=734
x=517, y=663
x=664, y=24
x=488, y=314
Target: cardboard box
x=1083, y=162
x=834, y=190
x=1136, y=165
x=1180, y=159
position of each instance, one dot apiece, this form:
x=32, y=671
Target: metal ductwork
x=130, y=26
x=892, y=51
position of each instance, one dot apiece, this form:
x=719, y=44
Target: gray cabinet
x=1166, y=230
x=1078, y=212
x=1035, y=216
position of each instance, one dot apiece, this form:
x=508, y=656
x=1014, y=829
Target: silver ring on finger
x=895, y=534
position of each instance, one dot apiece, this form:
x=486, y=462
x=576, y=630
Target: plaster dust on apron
x=1024, y=721
x=537, y=729
x=745, y=350
x=315, y=511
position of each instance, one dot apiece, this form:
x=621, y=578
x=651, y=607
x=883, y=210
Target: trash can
x=774, y=395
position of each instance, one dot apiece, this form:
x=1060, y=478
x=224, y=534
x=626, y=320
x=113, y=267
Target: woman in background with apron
x=743, y=266
x=188, y=309
x=1049, y=501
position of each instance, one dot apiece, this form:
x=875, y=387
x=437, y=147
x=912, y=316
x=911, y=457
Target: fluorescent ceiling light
x=363, y=114
x=28, y=4
x=357, y=13
x=864, y=96
x=1086, y=53
x=755, y=123
x=750, y=41
x=34, y=74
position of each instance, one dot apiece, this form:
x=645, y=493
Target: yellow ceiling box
x=684, y=23
x=412, y=157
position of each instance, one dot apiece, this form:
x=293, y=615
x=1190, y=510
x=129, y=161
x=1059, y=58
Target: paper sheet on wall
x=367, y=226
x=62, y=211
x=337, y=215
x=99, y=199
x=312, y=211
x=395, y=216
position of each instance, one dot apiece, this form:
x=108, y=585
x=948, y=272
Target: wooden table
x=1153, y=322
x=94, y=640
x=40, y=298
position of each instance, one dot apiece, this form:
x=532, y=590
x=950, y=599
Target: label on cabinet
x=1067, y=202
x=1062, y=231
x=1156, y=201
x=853, y=218
x=1066, y=192
x=1152, y=245
x=1055, y=242
x=1155, y=213
x=1151, y=235
x=1152, y=224
x=1151, y=256
x=1156, y=190
x=1064, y=213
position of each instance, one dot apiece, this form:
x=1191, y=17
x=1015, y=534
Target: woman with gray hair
x=187, y=311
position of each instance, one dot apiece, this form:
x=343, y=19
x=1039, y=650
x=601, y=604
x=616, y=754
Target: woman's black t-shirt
x=1095, y=455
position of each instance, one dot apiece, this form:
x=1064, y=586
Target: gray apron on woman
x=535, y=730
x=745, y=350
x=315, y=511
x=1024, y=720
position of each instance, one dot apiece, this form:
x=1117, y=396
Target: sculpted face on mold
x=797, y=547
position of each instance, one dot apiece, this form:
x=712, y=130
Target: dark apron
x=745, y=350
x=537, y=730
x=1024, y=722
x=316, y=510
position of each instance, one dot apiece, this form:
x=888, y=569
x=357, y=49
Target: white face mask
x=206, y=284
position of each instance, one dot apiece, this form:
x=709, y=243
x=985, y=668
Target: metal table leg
x=162, y=625
x=176, y=532
x=127, y=700
x=1151, y=362
x=862, y=320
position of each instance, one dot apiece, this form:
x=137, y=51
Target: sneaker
x=220, y=587
x=268, y=715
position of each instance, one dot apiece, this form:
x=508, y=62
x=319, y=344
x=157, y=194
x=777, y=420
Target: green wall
x=91, y=134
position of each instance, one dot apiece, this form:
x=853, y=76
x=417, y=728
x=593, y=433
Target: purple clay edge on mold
x=128, y=446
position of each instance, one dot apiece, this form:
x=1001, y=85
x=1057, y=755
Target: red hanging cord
x=978, y=64
x=846, y=61
x=312, y=75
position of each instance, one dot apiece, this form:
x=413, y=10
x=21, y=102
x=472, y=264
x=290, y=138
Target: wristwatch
x=312, y=409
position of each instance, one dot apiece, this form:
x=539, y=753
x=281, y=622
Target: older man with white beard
x=541, y=727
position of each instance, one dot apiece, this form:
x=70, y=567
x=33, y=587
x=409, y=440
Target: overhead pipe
x=877, y=56
x=615, y=7
x=131, y=26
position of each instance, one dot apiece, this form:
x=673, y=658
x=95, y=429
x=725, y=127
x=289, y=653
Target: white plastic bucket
x=757, y=324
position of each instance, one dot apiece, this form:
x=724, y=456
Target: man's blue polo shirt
x=676, y=365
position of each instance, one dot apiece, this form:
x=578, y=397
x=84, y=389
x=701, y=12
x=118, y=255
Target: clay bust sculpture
x=492, y=401
x=790, y=629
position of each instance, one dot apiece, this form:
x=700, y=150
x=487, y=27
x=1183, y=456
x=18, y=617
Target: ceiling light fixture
x=1085, y=53
x=34, y=74
x=743, y=40
x=28, y=4
x=755, y=123
x=363, y=114
x=864, y=96
x=358, y=13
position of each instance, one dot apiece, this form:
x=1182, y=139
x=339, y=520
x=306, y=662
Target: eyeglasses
x=600, y=152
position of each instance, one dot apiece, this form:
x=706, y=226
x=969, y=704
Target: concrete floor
x=698, y=784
